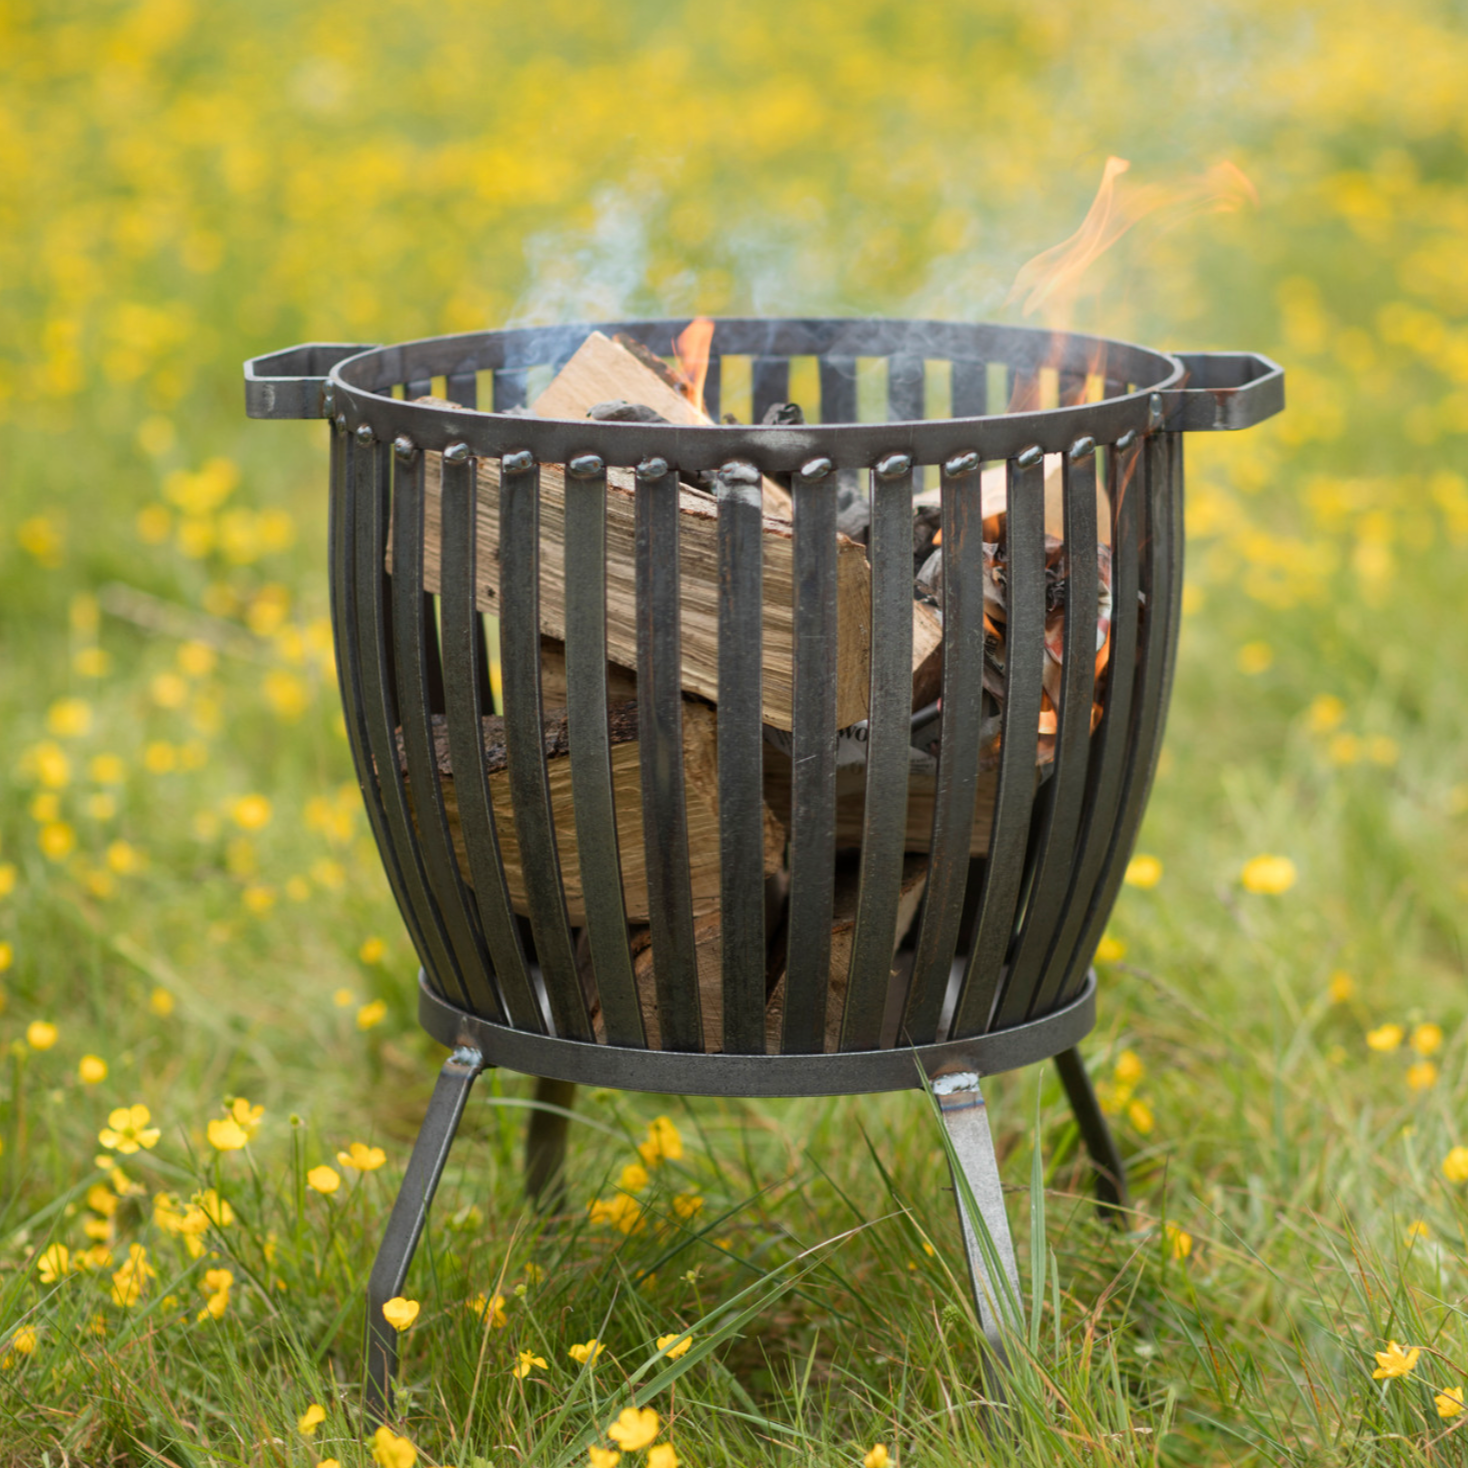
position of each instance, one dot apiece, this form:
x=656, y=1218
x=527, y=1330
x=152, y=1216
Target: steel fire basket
x=997, y=974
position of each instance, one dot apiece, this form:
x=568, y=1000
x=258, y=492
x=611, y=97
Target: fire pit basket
x=997, y=972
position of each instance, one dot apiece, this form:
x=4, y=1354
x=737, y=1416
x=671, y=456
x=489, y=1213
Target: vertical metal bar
x=1112, y=1201
x=769, y=384
x=463, y=385
x=970, y=389
x=524, y=742
x=838, y=405
x=1014, y=797
x=374, y=611
x=1160, y=572
x=462, y=636
x=412, y=653
x=418, y=387
x=884, y=819
x=510, y=388
x=741, y=744
x=958, y=748
x=660, y=747
x=590, y=749
x=712, y=384
x=1056, y=859
x=1114, y=739
x=906, y=387
x=351, y=463
x=813, y=763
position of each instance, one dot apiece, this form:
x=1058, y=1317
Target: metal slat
x=419, y=387
x=660, y=747
x=1056, y=859
x=1114, y=739
x=970, y=389
x=1161, y=578
x=380, y=717
x=812, y=763
x=464, y=654
x=838, y=389
x=958, y=749
x=1014, y=797
x=769, y=384
x=415, y=646
x=740, y=748
x=463, y=385
x=590, y=749
x=884, y=821
x=347, y=459
x=712, y=386
x=524, y=742
x=907, y=391
x=511, y=388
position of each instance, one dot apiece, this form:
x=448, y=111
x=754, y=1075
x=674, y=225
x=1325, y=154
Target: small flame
x=1051, y=280
x=691, y=347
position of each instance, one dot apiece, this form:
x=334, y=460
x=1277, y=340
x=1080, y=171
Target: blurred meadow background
x=192, y=915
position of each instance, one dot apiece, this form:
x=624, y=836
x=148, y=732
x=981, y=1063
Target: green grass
x=183, y=190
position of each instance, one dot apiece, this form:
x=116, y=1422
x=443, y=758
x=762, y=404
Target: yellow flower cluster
x=1118, y=1096
x=1424, y=1041
x=633, y=1430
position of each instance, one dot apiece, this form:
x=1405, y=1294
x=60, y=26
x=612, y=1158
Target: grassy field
x=192, y=915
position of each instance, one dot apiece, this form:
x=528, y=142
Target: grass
x=189, y=894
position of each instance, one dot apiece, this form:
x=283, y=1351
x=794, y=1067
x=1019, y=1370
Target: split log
x=621, y=682
x=603, y=369
x=701, y=798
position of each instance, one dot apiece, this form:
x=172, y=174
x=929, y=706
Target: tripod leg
x=545, y=1145
x=409, y=1213
x=986, y=1240
x=1112, y=1200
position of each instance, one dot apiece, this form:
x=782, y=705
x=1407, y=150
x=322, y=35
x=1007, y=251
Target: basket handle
x=291, y=383
x=1225, y=390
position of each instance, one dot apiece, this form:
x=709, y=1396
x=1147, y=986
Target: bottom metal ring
x=680, y=1073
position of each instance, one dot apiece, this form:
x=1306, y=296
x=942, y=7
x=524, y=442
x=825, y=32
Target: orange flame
x=691, y=347
x=1052, y=279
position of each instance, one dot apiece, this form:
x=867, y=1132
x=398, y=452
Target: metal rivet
x=1082, y=448
x=519, y=461
x=1127, y=439
x=341, y=422
x=739, y=471
x=328, y=402
x=404, y=447
x=1154, y=412
x=814, y=470
x=961, y=464
x=364, y=433
x=456, y=453
x=894, y=466
x=1028, y=458
x=586, y=466
x=652, y=469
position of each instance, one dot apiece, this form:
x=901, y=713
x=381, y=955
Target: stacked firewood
x=618, y=379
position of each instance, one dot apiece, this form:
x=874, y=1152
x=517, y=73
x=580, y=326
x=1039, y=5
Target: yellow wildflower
x=1455, y=1165
x=129, y=1282
x=878, y=1457
x=216, y=1287
x=674, y=1346
x=311, y=1419
x=214, y=1208
x=1325, y=713
x=7, y=956
x=1110, y=950
x=23, y=1342
x=226, y=1135
x=54, y=1263
x=161, y=1002
x=258, y=899
x=41, y=1034
x=107, y=769
x=250, y=812
x=1179, y=1242
x=492, y=1306
x=127, y=1130
x=48, y=762
x=1395, y=1361
x=247, y=1117
x=343, y=998
x=159, y=757
x=400, y=1313
x=1254, y=658
x=633, y=1177
x=1450, y=1402
x=685, y=1205
x=57, y=840
x=1141, y=1117
x=586, y=1354
x=1268, y=874
x=371, y=1014
x=634, y=1428
x=391, y=1451
x=324, y=1179
x=1427, y=1039
x=1342, y=987
x=664, y=1142
x=533, y=1272
x=662, y=1456
x=197, y=659
x=372, y=950
x=7, y=878
x=362, y=1157
x=527, y=1363
x=1144, y=872
x=602, y=1457
x=1129, y=1068
x=623, y=1212
x=1421, y=1076
x=1417, y=1229
x=1385, y=1038
x=69, y=718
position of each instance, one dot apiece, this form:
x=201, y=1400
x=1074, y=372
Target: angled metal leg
x=1112, y=1200
x=409, y=1213
x=545, y=1144
x=986, y=1240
